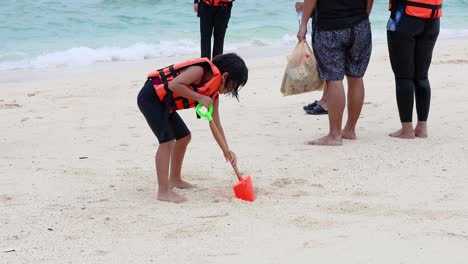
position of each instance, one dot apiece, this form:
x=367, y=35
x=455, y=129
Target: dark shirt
x=340, y=14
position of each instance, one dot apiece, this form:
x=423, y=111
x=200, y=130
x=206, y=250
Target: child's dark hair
x=238, y=72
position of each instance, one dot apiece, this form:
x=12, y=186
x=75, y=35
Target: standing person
x=214, y=18
x=342, y=45
x=317, y=107
x=412, y=32
x=181, y=86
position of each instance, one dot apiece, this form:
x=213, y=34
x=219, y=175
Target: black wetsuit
x=410, y=45
x=213, y=22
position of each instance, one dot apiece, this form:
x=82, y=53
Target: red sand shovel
x=244, y=189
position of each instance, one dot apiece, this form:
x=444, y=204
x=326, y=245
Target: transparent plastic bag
x=301, y=74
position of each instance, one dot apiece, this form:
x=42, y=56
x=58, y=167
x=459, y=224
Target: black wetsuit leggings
x=213, y=21
x=410, y=49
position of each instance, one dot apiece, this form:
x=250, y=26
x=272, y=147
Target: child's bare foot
x=327, y=141
x=181, y=184
x=170, y=196
x=348, y=134
x=421, y=130
x=406, y=134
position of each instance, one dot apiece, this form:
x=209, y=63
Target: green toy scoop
x=207, y=114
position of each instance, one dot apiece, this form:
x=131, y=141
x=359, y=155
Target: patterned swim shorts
x=343, y=52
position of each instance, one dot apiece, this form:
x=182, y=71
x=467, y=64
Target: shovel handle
x=224, y=147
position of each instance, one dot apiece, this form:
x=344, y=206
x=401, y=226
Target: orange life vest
x=217, y=2
x=173, y=100
x=428, y=9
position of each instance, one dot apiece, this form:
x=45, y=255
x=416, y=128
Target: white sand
x=374, y=200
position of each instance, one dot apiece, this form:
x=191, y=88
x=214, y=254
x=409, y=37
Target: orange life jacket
x=217, y=2
x=173, y=100
x=428, y=9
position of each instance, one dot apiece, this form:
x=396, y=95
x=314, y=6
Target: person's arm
x=370, y=3
x=192, y=74
x=217, y=121
x=195, y=6
x=299, y=7
x=309, y=6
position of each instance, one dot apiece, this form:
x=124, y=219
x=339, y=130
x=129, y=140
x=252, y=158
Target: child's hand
x=205, y=101
x=232, y=158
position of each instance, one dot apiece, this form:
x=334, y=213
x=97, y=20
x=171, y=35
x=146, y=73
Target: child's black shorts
x=166, y=126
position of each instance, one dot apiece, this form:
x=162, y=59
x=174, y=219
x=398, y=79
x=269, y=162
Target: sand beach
x=77, y=179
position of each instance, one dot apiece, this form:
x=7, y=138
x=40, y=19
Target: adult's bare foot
x=348, y=134
x=406, y=134
x=171, y=196
x=420, y=133
x=181, y=184
x=421, y=130
x=327, y=141
x=323, y=104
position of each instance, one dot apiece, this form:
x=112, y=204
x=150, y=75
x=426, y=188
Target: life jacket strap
x=168, y=100
x=173, y=72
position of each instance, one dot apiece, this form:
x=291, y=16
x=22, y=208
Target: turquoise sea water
x=55, y=33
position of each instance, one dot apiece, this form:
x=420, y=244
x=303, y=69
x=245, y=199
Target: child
x=181, y=86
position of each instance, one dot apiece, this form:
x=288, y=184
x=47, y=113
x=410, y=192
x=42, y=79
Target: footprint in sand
x=299, y=181
x=299, y=194
x=5, y=199
x=281, y=183
x=10, y=105
x=364, y=194
x=317, y=185
x=99, y=201
x=309, y=222
x=285, y=182
x=457, y=235
x=311, y=244
x=214, y=216
x=101, y=252
x=349, y=207
x=459, y=61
